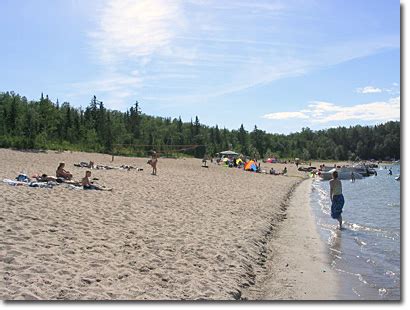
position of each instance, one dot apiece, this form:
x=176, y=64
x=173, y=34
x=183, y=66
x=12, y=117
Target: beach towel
x=337, y=206
x=14, y=183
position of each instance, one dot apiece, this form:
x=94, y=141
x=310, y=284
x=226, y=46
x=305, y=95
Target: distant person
x=61, y=173
x=353, y=177
x=337, y=198
x=87, y=184
x=285, y=171
x=153, y=162
x=390, y=172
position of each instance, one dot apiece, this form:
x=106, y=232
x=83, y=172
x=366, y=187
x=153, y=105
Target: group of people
x=273, y=171
x=65, y=175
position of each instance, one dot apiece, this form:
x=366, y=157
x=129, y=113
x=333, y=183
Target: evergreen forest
x=44, y=124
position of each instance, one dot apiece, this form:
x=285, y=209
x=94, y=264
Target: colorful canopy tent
x=250, y=166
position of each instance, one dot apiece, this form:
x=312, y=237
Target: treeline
x=44, y=124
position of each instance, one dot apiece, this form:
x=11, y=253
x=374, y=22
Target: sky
x=278, y=64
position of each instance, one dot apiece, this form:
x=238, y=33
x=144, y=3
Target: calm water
x=367, y=253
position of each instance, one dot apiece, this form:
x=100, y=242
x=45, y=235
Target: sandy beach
x=189, y=233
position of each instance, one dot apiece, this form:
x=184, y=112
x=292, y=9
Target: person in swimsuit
x=87, y=184
x=153, y=162
x=337, y=198
x=61, y=173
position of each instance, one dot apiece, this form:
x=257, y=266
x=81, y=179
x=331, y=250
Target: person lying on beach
x=84, y=164
x=61, y=173
x=127, y=167
x=273, y=172
x=87, y=184
x=45, y=178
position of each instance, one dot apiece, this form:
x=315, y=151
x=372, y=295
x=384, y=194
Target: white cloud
x=285, y=115
x=129, y=28
x=368, y=90
x=326, y=112
x=153, y=37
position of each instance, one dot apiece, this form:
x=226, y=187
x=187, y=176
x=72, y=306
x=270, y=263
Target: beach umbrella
x=229, y=153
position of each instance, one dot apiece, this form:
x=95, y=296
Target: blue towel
x=337, y=206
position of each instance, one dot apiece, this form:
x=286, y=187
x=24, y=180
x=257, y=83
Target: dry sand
x=188, y=233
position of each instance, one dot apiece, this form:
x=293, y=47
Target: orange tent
x=250, y=165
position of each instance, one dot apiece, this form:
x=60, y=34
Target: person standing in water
x=337, y=198
x=353, y=178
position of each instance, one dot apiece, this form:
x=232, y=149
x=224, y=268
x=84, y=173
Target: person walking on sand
x=353, y=178
x=153, y=162
x=337, y=198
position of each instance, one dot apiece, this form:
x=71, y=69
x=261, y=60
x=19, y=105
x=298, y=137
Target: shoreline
x=299, y=265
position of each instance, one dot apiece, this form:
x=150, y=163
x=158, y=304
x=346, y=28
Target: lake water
x=366, y=254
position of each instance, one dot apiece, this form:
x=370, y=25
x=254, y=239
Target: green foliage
x=43, y=124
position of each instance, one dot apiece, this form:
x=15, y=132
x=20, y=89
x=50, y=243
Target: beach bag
x=22, y=178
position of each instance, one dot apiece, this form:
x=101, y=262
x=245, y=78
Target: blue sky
x=280, y=65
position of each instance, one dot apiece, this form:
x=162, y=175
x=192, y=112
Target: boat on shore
x=344, y=173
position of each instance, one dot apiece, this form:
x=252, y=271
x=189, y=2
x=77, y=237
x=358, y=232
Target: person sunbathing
x=87, y=184
x=45, y=178
x=61, y=173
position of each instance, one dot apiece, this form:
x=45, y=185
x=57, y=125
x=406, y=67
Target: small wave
x=357, y=227
x=357, y=275
x=390, y=273
x=382, y=291
x=356, y=292
x=370, y=261
x=359, y=242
